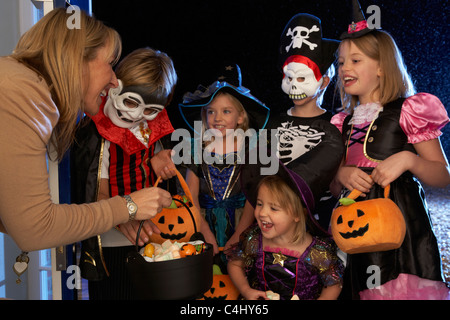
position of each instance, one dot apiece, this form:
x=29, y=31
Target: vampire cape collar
x=159, y=127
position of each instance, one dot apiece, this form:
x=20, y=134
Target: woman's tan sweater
x=27, y=213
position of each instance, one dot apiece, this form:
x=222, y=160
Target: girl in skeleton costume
x=305, y=137
x=279, y=253
x=118, y=151
x=214, y=176
x=392, y=137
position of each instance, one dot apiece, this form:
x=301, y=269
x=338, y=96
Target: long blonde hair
x=59, y=54
x=395, y=82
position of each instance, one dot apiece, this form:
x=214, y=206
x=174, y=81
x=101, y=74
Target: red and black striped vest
x=128, y=173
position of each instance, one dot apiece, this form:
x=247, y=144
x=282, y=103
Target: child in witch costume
x=304, y=133
x=392, y=137
x=120, y=150
x=227, y=111
x=285, y=252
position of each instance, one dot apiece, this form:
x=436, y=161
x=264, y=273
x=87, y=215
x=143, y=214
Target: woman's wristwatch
x=132, y=207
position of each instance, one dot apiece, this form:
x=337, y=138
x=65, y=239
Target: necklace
x=145, y=132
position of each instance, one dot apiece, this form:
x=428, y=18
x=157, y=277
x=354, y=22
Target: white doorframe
x=54, y=192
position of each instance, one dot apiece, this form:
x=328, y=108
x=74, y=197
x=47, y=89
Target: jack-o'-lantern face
x=222, y=287
x=357, y=227
x=175, y=224
x=173, y=220
x=368, y=226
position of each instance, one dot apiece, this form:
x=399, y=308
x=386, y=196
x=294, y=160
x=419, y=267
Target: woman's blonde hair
x=60, y=55
x=289, y=201
x=151, y=69
x=395, y=82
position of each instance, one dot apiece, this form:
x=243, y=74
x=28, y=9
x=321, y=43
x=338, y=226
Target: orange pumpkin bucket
x=178, y=222
x=369, y=225
x=222, y=287
x=179, y=279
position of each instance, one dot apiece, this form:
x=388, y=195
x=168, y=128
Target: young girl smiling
x=227, y=109
x=278, y=254
x=392, y=137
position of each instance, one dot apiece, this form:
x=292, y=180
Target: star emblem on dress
x=279, y=258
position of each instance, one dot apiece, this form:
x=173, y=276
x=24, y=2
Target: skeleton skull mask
x=300, y=81
x=126, y=107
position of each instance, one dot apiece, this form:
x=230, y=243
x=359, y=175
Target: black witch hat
x=359, y=26
x=229, y=80
x=302, y=36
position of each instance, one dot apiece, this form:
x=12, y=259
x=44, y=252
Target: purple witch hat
x=251, y=176
x=359, y=26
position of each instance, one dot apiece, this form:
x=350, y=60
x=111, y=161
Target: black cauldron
x=179, y=279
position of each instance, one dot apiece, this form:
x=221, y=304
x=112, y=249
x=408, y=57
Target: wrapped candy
x=166, y=251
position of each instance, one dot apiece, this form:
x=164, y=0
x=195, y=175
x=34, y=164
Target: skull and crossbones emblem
x=299, y=35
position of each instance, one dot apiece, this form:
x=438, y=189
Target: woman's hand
x=150, y=201
x=131, y=228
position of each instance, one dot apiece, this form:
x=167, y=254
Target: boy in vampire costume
x=119, y=150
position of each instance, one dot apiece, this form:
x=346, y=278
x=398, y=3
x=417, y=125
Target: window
x=2, y=268
x=45, y=274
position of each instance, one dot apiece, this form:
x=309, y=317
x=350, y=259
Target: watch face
x=132, y=207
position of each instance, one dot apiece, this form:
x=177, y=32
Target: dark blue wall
x=200, y=34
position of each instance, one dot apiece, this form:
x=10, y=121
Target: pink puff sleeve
x=338, y=120
x=422, y=118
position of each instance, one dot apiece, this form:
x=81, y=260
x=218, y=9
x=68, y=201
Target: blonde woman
x=54, y=75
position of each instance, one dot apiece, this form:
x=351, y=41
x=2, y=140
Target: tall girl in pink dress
x=392, y=137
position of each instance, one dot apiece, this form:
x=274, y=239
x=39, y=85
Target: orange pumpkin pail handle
x=183, y=184
x=197, y=235
x=355, y=193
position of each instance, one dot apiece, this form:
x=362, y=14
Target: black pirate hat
x=302, y=37
x=229, y=80
x=359, y=26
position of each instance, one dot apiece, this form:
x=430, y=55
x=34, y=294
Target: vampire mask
x=127, y=107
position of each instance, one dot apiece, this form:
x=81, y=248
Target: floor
x=439, y=205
